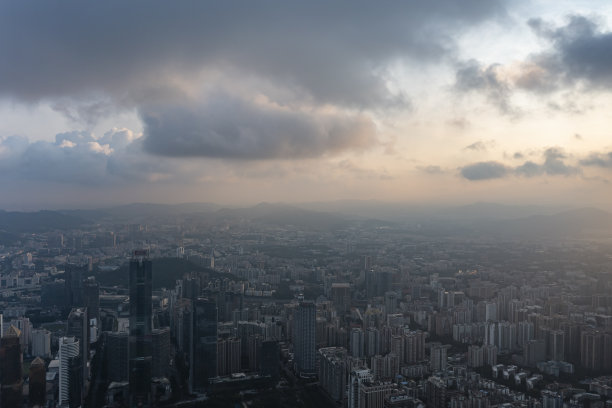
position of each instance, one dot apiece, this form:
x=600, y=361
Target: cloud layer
x=224, y=126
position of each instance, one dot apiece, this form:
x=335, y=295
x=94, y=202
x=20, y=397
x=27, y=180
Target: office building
x=116, y=357
x=140, y=340
x=204, y=356
x=11, y=358
x=38, y=382
x=270, y=359
x=356, y=377
x=77, y=326
x=70, y=373
x=160, y=358
x=73, y=280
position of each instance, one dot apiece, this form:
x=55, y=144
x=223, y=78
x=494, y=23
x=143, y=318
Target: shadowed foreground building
x=10, y=368
x=140, y=340
x=38, y=382
x=204, y=356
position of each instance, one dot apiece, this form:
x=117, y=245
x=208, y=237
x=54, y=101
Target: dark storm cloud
x=224, y=126
x=484, y=171
x=334, y=52
x=553, y=164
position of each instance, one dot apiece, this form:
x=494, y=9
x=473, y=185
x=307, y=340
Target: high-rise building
x=160, y=361
x=91, y=298
x=372, y=394
x=78, y=326
x=438, y=357
x=38, y=382
x=70, y=373
x=332, y=371
x=140, y=340
x=596, y=350
x=41, y=343
x=304, y=339
x=270, y=359
x=356, y=377
x=11, y=359
x=341, y=295
x=73, y=279
x=372, y=342
x=254, y=351
x=414, y=346
x=204, y=356
x=357, y=342
x=229, y=352
x=116, y=358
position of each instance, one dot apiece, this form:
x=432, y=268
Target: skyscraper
x=204, y=356
x=38, y=383
x=91, y=298
x=304, y=339
x=140, y=344
x=77, y=326
x=73, y=279
x=10, y=368
x=70, y=373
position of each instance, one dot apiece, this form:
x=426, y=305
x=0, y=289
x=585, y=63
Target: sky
x=239, y=102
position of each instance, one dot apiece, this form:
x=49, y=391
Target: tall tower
x=304, y=339
x=77, y=326
x=10, y=368
x=70, y=373
x=204, y=356
x=140, y=341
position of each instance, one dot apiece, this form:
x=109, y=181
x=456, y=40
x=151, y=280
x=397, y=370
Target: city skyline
x=426, y=103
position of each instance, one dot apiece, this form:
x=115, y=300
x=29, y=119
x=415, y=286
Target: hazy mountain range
x=478, y=218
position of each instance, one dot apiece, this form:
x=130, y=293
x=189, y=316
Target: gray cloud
x=553, y=164
x=432, y=169
x=335, y=52
x=224, y=126
x=78, y=158
x=598, y=160
x=480, y=146
x=484, y=171
x=473, y=76
x=581, y=51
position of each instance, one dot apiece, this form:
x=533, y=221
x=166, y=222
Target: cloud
x=553, y=164
x=484, y=171
x=79, y=158
x=603, y=160
x=432, y=169
x=581, y=51
x=480, y=146
x=227, y=126
x=334, y=52
x=473, y=76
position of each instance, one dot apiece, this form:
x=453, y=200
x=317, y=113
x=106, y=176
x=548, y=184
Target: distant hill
x=282, y=214
x=40, y=221
x=165, y=273
x=143, y=212
x=573, y=223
